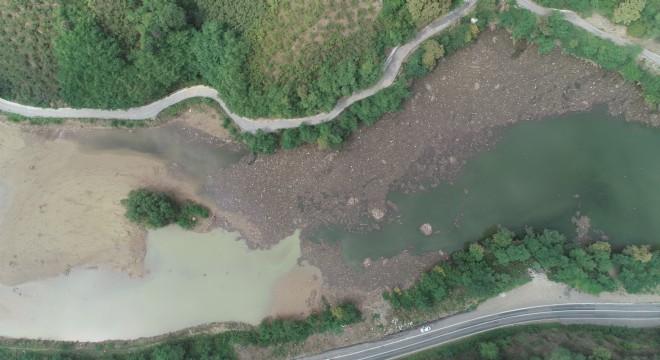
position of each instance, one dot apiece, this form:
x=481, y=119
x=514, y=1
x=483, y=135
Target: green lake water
x=540, y=174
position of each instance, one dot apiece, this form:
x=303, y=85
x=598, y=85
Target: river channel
x=540, y=174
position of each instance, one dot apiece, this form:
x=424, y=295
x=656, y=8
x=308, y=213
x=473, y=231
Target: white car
x=424, y=329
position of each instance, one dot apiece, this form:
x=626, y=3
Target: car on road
x=424, y=329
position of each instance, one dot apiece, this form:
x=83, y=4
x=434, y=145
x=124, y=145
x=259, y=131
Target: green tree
x=432, y=52
x=636, y=29
x=150, y=209
x=628, y=11
x=638, y=252
x=221, y=56
x=600, y=353
x=489, y=350
x=425, y=11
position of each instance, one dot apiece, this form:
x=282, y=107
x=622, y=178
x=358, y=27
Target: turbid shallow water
x=539, y=174
x=198, y=157
x=193, y=279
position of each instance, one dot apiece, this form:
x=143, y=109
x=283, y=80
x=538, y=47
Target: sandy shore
x=63, y=206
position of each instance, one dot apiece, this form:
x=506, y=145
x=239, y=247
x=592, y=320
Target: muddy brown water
x=192, y=279
x=194, y=153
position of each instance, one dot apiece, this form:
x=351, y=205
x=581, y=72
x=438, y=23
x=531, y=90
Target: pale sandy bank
x=63, y=208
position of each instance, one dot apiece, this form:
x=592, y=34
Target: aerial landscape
x=329, y=179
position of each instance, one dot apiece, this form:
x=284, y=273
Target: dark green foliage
x=637, y=276
x=259, y=142
x=151, y=209
x=96, y=71
x=28, y=70
x=155, y=210
x=500, y=263
x=397, y=23
x=539, y=341
x=220, y=56
x=545, y=31
x=190, y=214
x=414, y=68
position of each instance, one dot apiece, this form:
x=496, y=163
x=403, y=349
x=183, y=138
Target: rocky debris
x=583, y=224
x=377, y=213
x=366, y=263
x=426, y=229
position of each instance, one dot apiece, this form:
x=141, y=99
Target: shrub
x=156, y=209
x=636, y=29
x=150, y=209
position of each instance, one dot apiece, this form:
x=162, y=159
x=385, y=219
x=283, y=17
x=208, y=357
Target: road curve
x=390, y=72
x=652, y=58
x=413, y=341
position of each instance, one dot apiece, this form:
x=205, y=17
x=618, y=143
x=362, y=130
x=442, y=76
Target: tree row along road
x=390, y=72
x=652, y=58
x=413, y=341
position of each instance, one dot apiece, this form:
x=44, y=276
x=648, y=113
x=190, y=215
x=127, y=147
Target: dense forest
x=267, y=58
x=552, y=342
x=501, y=262
x=641, y=17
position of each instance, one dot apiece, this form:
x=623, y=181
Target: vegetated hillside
x=28, y=70
x=267, y=58
x=641, y=17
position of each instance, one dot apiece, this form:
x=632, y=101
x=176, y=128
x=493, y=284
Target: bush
x=636, y=29
x=191, y=214
x=155, y=210
x=151, y=209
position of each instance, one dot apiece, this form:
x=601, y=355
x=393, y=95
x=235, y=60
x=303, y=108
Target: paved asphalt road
x=444, y=331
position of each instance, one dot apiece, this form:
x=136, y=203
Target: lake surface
x=539, y=174
x=198, y=157
x=193, y=279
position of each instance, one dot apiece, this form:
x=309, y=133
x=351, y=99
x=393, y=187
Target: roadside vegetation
x=547, y=32
x=267, y=58
x=552, y=342
x=641, y=17
x=502, y=262
x=156, y=209
x=368, y=111
x=220, y=346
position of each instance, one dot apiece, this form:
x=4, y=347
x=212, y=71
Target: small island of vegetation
x=157, y=209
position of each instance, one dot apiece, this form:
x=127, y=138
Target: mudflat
x=63, y=209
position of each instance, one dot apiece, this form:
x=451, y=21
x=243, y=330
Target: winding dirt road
x=392, y=68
